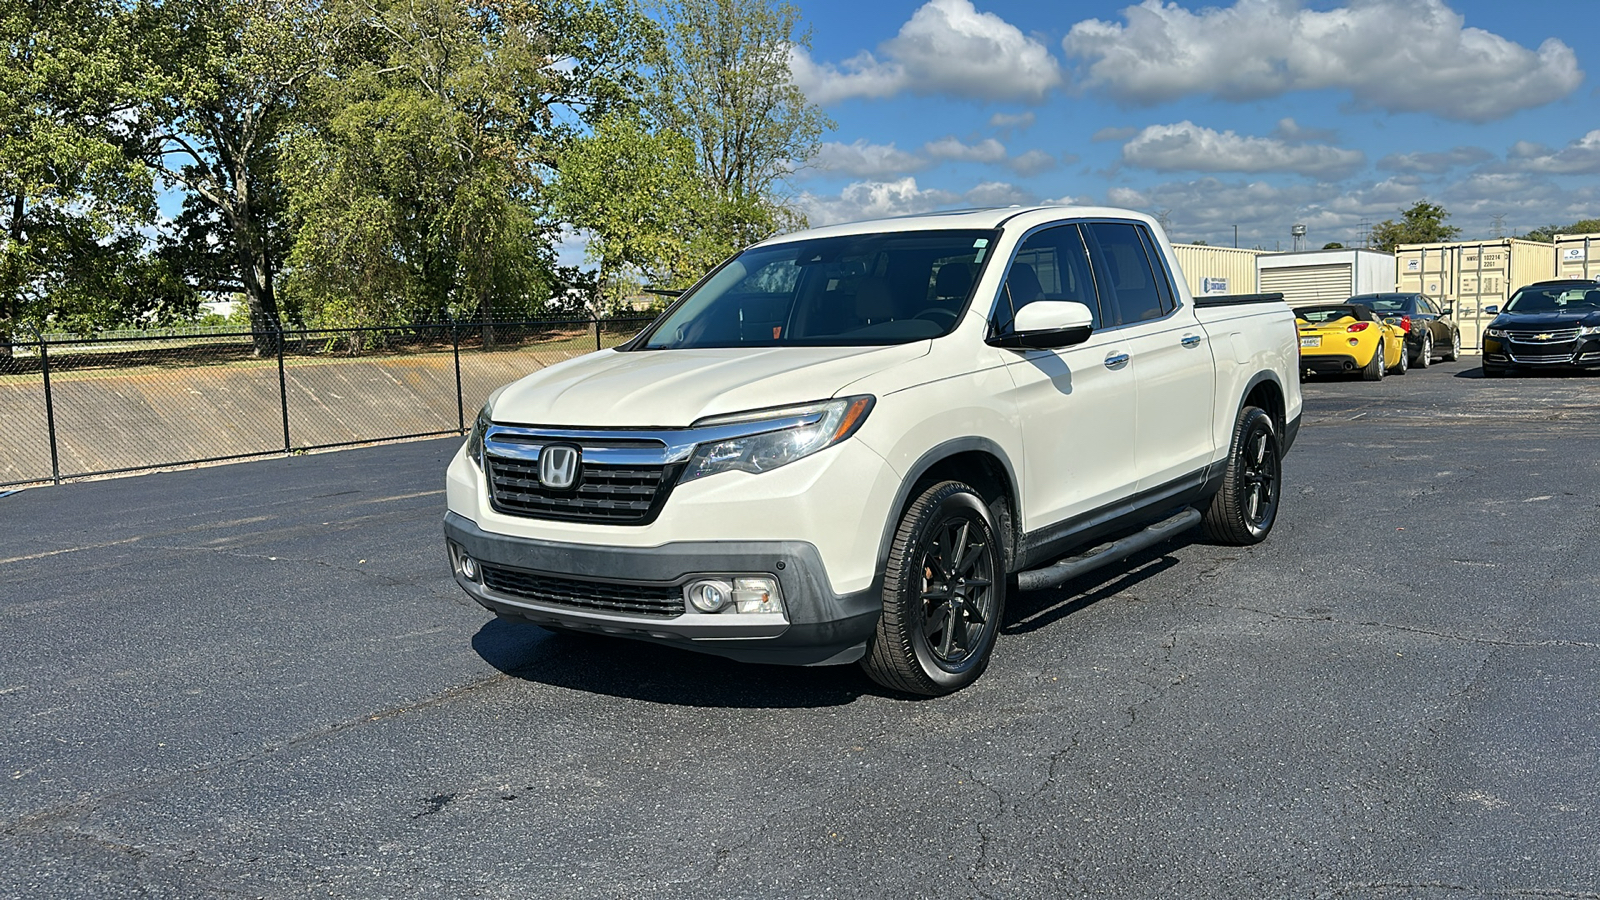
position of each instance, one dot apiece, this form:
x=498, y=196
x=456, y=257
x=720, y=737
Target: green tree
x=723, y=81
x=226, y=79
x=1423, y=223
x=1333, y=245
x=1548, y=233
x=72, y=190
x=418, y=188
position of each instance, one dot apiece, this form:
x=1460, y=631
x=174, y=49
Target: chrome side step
x=1073, y=566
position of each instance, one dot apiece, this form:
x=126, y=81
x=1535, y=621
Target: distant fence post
x=283, y=386
x=49, y=406
x=455, y=348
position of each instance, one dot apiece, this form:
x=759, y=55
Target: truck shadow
x=636, y=670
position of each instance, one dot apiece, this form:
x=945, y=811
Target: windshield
x=862, y=289
x=1555, y=298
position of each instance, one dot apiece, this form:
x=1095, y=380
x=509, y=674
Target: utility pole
x=1499, y=226
x=1236, y=237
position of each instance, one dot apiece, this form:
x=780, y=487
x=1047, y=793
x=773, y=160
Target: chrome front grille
x=613, y=494
x=1550, y=336
x=660, y=601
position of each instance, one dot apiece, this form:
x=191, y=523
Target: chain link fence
x=77, y=407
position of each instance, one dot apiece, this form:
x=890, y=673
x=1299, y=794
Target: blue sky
x=1251, y=113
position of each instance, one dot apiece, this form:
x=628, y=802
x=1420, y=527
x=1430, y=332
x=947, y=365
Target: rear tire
x=1425, y=358
x=1243, y=511
x=1404, y=365
x=1375, y=368
x=944, y=591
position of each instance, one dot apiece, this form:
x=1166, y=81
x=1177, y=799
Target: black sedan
x=1431, y=332
x=1545, y=325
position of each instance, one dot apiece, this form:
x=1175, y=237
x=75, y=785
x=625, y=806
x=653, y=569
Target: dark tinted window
x=1163, y=277
x=1126, y=282
x=1050, y=265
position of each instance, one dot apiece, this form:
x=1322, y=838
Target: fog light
x=709, y=596
x=469, y=567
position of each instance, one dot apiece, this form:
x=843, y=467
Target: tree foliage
x=1548, y=233
x=417, y=190
x=1422, y=223
x=73, y=191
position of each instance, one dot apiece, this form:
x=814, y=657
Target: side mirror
x=1492, y=309
x=1448, y=311
x=1047, y=324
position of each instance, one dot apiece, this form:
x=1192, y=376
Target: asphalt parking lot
x=258, y=680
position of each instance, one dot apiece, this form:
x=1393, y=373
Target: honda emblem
x=558, y=466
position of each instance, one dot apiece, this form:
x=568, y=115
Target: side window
x=1152, y=253
x=1126, y=282
x=1051, y=264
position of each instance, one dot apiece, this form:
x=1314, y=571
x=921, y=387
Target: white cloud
x=1398, y=55
x=947, y=47
x=1434, y=163
x=1009, y=121
x=902, y=197
x=987, y=150
x=1290, y=130
x=1187, y=147
x=1581, y=157
x=1034, y=162
x=864, y=160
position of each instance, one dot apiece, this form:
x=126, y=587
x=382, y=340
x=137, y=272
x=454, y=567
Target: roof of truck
x=984, y=218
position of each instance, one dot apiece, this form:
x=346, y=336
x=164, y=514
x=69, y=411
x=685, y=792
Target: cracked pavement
x=258, y=680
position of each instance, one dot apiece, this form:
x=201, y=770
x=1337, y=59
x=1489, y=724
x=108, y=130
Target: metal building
x=1325, y=276
x=1577, y=256
x=1217, y=270
x=1469, y=275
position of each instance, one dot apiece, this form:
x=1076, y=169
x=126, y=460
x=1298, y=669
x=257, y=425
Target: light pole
x=1235, y=237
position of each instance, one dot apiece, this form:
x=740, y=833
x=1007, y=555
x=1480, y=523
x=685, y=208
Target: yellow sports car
x=1344, y=338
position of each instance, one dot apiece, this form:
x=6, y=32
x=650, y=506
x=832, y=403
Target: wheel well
x=1269, y=397
x=986, y=475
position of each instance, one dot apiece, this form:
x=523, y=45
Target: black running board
x=1073, y=566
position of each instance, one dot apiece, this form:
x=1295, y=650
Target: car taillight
x=1359, y=326
x=1405, y=323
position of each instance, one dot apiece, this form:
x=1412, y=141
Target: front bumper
x=817, y=627
x=1583, y=353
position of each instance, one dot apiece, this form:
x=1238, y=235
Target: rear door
x=1170, y=354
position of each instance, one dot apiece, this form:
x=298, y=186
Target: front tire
x=1375, y=367
x=1455, y=347
x=1246, y=507
x=944, y=592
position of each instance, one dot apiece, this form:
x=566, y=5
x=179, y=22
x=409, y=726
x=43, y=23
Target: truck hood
x=674, y=388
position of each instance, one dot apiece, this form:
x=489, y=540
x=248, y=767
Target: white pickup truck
x=848, y=444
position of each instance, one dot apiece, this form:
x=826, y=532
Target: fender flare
x=932, y=457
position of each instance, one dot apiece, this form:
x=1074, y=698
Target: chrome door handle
x=1116, y=360
x=1190, y=340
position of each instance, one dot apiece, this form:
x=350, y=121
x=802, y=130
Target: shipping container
x=1577, y=256
x=1470, y=275
x=1217, y=270
x=1325, y=276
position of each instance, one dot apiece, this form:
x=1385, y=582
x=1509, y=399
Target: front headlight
x=475, y=437
x=820, y=425
x=1589, y=330
x=1494, y=332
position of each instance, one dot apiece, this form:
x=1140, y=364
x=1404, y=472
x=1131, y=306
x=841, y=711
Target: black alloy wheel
x=943, y=595
x=1246, y=507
